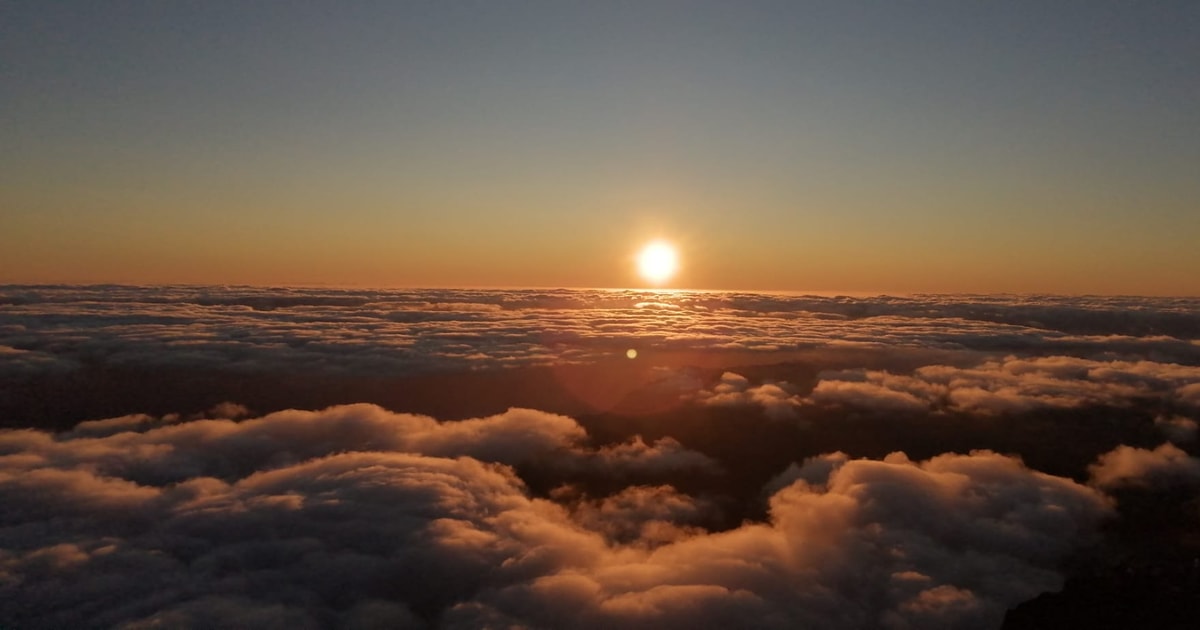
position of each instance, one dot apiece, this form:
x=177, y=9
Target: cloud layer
x=46, y=329
x=1014, y=385
x=711, y=486
x=357, y=517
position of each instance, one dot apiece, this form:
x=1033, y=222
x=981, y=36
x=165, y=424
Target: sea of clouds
x=396, y=331
x=356, y=516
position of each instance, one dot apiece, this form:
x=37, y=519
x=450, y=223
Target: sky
x=784, y=146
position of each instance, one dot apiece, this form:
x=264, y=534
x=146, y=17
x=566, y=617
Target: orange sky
x=972, y=151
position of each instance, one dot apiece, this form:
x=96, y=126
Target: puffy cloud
x=1127, y=466
x=777, y=399
x=354, y=516
x=1011, y=385
x=950, y=542
x=148, y=450
x=111, y=426
x=641, y=515
x=867, y=394
x=814, y=472
x=1190, y=394
x=19, y=362
x=300, y=545
x=1177, y=428
x=636, y=457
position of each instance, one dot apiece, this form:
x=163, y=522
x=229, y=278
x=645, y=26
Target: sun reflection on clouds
x=48, y=329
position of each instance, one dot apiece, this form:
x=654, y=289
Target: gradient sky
x=796, y=146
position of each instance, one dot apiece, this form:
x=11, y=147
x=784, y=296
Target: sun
x=657, y=262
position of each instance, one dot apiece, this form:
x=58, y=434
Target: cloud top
x=60, y=328
x=354, y=515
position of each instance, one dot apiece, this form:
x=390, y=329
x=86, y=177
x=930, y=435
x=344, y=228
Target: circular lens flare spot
x=657, y=262
x=631, y=353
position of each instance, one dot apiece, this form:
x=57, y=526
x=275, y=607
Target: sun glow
x=657, y=262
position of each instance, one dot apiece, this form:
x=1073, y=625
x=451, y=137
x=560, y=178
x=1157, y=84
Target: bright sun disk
x=657, y=262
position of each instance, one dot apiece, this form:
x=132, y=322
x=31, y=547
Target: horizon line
x=657, y=290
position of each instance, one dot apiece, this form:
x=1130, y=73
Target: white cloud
x=1127, y=466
